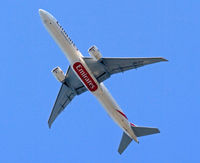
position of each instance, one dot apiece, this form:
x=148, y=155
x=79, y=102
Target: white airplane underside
x=88, y=73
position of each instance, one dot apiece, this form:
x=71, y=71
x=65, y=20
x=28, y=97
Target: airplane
x=87, y=74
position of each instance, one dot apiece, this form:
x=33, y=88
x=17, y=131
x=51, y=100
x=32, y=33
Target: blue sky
x=163, y=95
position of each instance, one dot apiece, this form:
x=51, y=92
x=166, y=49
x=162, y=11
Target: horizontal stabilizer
x=143, y=131
x=125, y=141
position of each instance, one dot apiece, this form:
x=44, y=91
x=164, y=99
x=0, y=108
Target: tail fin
x=138, y=131
x=125, y=141
x=142, y=131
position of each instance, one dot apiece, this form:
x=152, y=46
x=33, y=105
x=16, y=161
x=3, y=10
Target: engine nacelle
x=94, y=52
x=59, y=74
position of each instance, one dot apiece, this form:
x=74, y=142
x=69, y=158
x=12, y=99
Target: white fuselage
x=82, y=71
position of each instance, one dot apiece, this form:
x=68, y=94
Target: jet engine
x=94, y=52
x=59, y=74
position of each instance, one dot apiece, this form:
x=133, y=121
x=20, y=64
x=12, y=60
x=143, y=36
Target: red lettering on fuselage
x=85, y=76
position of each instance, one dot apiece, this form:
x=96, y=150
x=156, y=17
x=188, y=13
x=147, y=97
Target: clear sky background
x=163, y=95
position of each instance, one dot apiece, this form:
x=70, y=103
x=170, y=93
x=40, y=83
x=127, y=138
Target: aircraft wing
x=116, y=65
x=71, y=87
x=102, y=70
x=105, y=67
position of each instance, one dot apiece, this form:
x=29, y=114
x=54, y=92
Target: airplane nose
x=42, y=13
x=45, y=16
